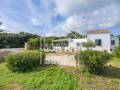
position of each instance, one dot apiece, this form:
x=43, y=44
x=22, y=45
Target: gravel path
x=12, y=50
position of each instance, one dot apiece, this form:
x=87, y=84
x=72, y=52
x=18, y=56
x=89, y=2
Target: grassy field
x=46, y=78
x=61, y=78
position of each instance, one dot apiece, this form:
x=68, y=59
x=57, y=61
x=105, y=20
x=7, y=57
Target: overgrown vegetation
x=57, y=78
x=44, y=78
x=116, y=52
x=34, y=43
x=88, y=44
x=3, y=55
x=25, y=61
x=92, y=61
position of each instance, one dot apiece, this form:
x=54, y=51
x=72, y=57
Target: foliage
x=45, y=78
x=3, y=55
x=119, y=37
x=88, y=44
x=25, y=61
x=74, y=35
x=14, y=40
x=33, y=43
x=93, y=61
x=41, y=43
x=48, y=42
x=116, y=52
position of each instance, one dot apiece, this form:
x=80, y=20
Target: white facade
x=116, y=39
x=76, y=44
x=73, y=45
x=105, y=42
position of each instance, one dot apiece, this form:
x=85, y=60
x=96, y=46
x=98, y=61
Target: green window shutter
x=98, y=42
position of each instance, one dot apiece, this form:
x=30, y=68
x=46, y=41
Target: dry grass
x=108, y=80
x=13, y=86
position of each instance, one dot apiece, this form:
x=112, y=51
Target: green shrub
x=92, y=61
x=25, y=61
x=116, y=52
x=33, y=43
x=88, y=44
x=3, y=55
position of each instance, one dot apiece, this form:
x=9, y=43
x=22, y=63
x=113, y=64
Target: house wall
x=73, y=44
x=58, y=48
x=106, y=42
x=116, y=42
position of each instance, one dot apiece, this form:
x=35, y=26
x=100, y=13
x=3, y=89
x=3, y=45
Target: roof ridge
x=98, y=31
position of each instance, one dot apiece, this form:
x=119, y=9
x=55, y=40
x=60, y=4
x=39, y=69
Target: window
x=112, y=42
x=78, y=43
x=98, y=42
x=65, y=44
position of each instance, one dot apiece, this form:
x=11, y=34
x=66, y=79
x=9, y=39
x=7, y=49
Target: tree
x=74, y=34
x=88, y=44
x=14, y=40
x=33, y=43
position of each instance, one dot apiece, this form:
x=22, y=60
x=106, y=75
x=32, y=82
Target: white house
x=102, y=38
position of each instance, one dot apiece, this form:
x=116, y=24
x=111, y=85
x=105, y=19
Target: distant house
x=102, y=38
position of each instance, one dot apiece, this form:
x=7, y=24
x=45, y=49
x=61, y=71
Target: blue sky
x=58, y=17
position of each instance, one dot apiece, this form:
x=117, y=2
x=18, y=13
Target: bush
x=116, y=52
x=92, y=61
x=88, y=44
x=3, y=55
x=33, y=43
x=25, y=61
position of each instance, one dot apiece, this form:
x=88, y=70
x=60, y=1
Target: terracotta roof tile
x=98, y=31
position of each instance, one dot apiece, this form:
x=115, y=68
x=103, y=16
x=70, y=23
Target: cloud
x=69, y=7
x=58, y=17
x=29, y=17
x=98, y=19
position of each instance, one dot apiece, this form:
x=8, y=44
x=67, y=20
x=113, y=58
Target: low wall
x=65, y=60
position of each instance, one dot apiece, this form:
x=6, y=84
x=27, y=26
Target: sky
x=59, y=17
